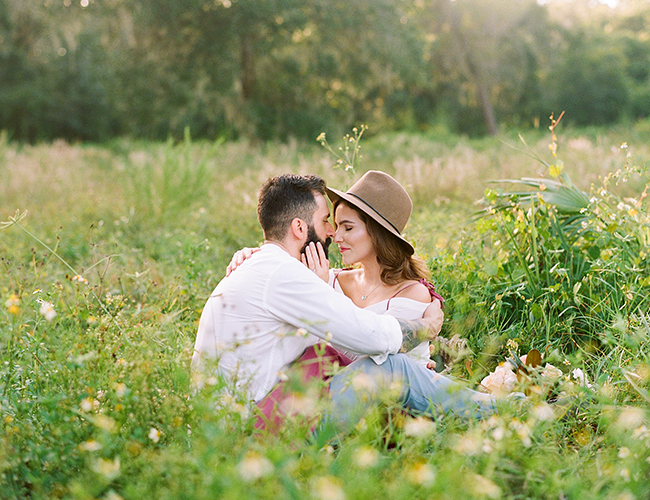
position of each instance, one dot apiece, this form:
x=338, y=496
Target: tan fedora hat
x=382, y=198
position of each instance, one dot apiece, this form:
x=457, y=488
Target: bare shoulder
x=348, y=280
x=348, y=276
x=415, y=291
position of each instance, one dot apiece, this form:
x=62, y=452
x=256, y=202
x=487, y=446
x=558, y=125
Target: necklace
x=364, y=296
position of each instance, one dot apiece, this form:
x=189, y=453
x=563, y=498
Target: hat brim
x=335, y=195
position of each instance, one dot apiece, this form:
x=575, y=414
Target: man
x=261, y=318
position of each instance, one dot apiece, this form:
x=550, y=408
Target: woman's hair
x=395, y=258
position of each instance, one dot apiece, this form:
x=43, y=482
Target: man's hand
x=416, y=331
x=434, y=318
x=314, y=258
x=239, y=257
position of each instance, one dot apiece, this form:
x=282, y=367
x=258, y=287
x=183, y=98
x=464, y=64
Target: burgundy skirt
x=316, y=363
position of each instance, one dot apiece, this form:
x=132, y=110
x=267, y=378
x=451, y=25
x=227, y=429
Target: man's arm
x=419, y=330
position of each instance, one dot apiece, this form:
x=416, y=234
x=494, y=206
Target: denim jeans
x=421, y=391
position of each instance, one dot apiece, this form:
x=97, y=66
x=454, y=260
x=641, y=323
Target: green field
x=125, y=240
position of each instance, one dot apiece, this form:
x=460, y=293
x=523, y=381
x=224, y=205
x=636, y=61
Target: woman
x=389, y=277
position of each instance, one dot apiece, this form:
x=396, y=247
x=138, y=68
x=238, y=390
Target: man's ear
x=298, y=228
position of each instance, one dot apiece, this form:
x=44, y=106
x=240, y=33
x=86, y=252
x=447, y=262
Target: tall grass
x=97, y=324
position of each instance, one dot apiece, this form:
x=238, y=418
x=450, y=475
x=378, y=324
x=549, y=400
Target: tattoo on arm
x=412, y=333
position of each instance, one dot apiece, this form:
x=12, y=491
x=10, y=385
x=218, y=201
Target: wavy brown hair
x=398, y=263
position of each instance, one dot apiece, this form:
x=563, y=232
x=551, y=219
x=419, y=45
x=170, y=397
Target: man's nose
x=330, y=230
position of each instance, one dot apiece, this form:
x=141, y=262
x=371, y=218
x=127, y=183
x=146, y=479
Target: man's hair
x=284, y=198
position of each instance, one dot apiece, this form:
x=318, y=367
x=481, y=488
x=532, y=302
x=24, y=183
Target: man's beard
x=312, y=237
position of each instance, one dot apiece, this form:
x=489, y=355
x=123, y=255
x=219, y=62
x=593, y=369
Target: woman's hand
x=314, y=258
x=239, y=257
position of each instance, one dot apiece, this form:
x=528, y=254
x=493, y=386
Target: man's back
x=256, y=321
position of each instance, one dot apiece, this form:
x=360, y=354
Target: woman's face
x=352, y=236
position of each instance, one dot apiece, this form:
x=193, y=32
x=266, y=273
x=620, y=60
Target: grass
x=96, y=402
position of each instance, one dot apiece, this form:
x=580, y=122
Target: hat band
x=375, y=210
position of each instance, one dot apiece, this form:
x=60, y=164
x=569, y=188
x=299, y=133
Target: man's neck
x=295, y=253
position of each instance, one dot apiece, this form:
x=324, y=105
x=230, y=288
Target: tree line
x=96, y=69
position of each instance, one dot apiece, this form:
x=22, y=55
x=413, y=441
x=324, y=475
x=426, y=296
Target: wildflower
x=111, y=495
x=365, y=457
x=421, y=473
x=121, y=390
x=482, y=486
x=108, y=468
x=523, y=431
x=551, y=372
x=154, y=434
x=543, y=412
x=363, y=381
x=321, y=137
x=500, y=382
x=630, y=418
x=624, y=145
x=498, y=433
x=91, y=445
x=47, y=310
x=419, y=427
x=80, y=279
x=87, y=404
x=12, y=304
x=254, y=466
x=327, y=488
x=512, y=345
x=623, y=452
x=105, y=423
x=641, y=433
x=468, y=445
x=580, y=376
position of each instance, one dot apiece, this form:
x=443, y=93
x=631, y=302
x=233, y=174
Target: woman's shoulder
x=347, y=275
x=414, y=290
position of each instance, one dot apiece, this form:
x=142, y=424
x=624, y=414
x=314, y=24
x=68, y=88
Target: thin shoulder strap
x=397, y=293
x=430, y=287
x=336, y=275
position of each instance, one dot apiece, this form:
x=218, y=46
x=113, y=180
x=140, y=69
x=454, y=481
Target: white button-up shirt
x=263, y=316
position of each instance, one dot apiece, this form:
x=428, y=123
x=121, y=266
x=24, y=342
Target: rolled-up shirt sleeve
x=296, y=296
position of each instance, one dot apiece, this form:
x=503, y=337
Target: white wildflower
x=254, y=466
x=365, y=457
x=580, y=376
x=80, y=279
x=543, y=412
x=91, y=445
x=421, y=473
x=327, y=488
x=108, y=468
x=419, y=427
x=482, y=486
x=47, y=310
x=154, y=434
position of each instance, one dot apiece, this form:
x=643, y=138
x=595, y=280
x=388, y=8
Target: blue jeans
x=421, y=391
